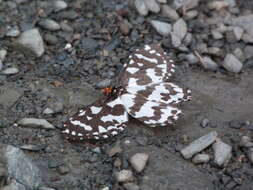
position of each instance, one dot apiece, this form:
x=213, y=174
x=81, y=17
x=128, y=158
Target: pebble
x=209, y=64
x=199, y=145
x=48, y=111
x=139, y=161
x=250, y=155
x=161, y=1
x=152, y=5
x=3, y=54
x=141, y=7
x=66, y=27
x=169, y=12
x=239, y=54
x=124, y=176
x=238, y=32
x=217, y=5
x=33, y=122
x=32, y=147
x=248, y=51
x=1, y=65
x=247, y=38
x=22, y=169
x=49, y=24
x=180, y=28
x=50, y=39
x=216, y=35
x=204, y=123
x=114, y=150
x=201, y=158
x=246, y=142
x=189, y=15
x=175, y=40
x=232, y=64
x=106, y=188
x=63, y=170
x=14, y=32
x=125, y=27
x=187, y=4
x=214, y=51
x=45, y=188
x=59, y=5
x=131, y=186
x=191, y=58
x=103, y=83
x=31, y=41
x=10, y=71
x=162, y=28
x=222, y=152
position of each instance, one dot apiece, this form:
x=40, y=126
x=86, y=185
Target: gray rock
x=205, y=122
x=214, y=51
x=222, y=153
x=31, y=42
x=33, y=122
x=189, y=15
x=153, y=6
x=250, y=155
x=175, y=40
x=66, y=27
x=246, y=142
x=131, y=186
x=59, y=5
x=248, y=51
x=48, y=111
x=247, y=38
x=246, y=22
x=187, y=4
x=141, y=7
x=209, y=64
x=8, y=96
x=13, y=32
x=217, y=5
x=139, y=161
x=239, y=54
x=161, y=1
x=14, y=185
x=199, y=145
x=49, y=24
x=10, y=71
x=1, y=64
x=22, y=169
x=45, y=188
x=169, y=12
x=238, y=32
x=3, y=54
x=50, y=39
x=232, y=64
x=191, y=58
x=114, y=150
x=216, y=35
x=188, y=39
x=201, y=158
x=103, y=83
x=162, y=28
x=165, y=170
x=124, y=176
x=180, y=28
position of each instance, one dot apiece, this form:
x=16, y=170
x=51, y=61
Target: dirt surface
x=66, y=79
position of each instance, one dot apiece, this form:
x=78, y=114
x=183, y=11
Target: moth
x=143, y=90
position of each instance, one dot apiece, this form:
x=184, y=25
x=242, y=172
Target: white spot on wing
x=152, y=60
x=132, y=70
x=101, y=129
x=78, y=123
x=95, y=110
x=114, y=102
x=66, y=131
x=146, y=47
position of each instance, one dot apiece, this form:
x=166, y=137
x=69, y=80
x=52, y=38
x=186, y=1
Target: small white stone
x=3, y=54
x=201, y=158
x=33, y=122
x=124, y=176
x=232, y=64
x=152, y=5
x=10, y=71
x=139, y=161
x=60, y=5
x=141, y=7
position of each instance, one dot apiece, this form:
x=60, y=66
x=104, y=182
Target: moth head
x=106, y=91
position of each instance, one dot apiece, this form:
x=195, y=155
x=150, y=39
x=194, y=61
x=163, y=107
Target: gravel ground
x=78, y=47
